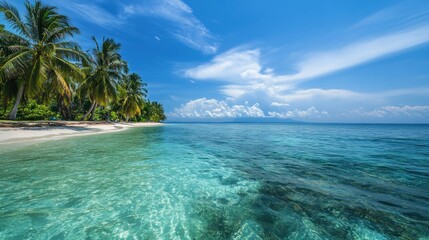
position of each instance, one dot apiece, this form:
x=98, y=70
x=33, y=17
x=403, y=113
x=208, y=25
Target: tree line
x=44, y=74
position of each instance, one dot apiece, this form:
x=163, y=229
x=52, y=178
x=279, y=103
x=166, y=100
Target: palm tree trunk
x=69, y=112
x=89, y=111
x=66, y=108
x=93, y=113
x=12, y=114
x=61, y=107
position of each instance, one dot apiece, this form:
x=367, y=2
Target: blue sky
x=316, y=61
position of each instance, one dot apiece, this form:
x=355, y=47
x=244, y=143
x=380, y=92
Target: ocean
x=221, y=181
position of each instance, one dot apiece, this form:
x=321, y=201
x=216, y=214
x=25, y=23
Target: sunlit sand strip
x=37, y=134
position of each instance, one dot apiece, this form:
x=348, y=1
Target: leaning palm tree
x=133, y=92
x=38, y=49
x=106, y=68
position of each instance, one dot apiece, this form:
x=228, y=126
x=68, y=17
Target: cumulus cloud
x=185, y=26
x=212, y=108
x=311, y=112
x=234, y=66
x=241, y=71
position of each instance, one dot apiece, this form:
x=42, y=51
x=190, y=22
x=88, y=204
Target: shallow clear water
x=221, y=181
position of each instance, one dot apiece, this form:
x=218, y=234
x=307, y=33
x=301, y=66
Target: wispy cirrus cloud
x=325, y=62
x=185, y=26
x=182, y=23
x=92, y=13
x=400, y=15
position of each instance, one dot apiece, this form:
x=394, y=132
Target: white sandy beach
x=14, y=135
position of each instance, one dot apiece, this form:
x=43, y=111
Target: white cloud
x=309, y=113
x=242, y=72
x=243, y=65
x=246, y=79
x=236, y=66
x=317, y=93
x=278, y=104
x=393, y=111
x=380, y=16
x=318, y=64
x=212, y=108
x=186, y=27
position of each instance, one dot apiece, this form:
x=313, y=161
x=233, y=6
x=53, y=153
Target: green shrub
x=113, y=116
x=34, y=111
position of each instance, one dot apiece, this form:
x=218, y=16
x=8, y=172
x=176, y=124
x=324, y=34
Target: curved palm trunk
x=12, y=114
x=93, y=113
x=89, y=111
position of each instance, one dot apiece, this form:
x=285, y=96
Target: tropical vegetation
x=44, y=74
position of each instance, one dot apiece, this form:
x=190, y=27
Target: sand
x=25, y=135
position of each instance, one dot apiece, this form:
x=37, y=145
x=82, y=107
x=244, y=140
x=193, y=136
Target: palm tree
x=133, y=92
x=39, y=49
x=8, y=88
x=155, y=112
x=106, y=69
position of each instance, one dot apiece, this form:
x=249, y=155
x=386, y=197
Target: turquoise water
x=221, y=181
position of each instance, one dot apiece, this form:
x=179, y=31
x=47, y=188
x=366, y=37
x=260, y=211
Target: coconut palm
x=38, y=49
x=133, y=92
x=155, y=112
x=106, y=68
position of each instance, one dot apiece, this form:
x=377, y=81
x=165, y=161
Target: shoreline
x=32, y=132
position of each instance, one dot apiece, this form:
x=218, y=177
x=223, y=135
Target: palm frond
x=13, y=18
